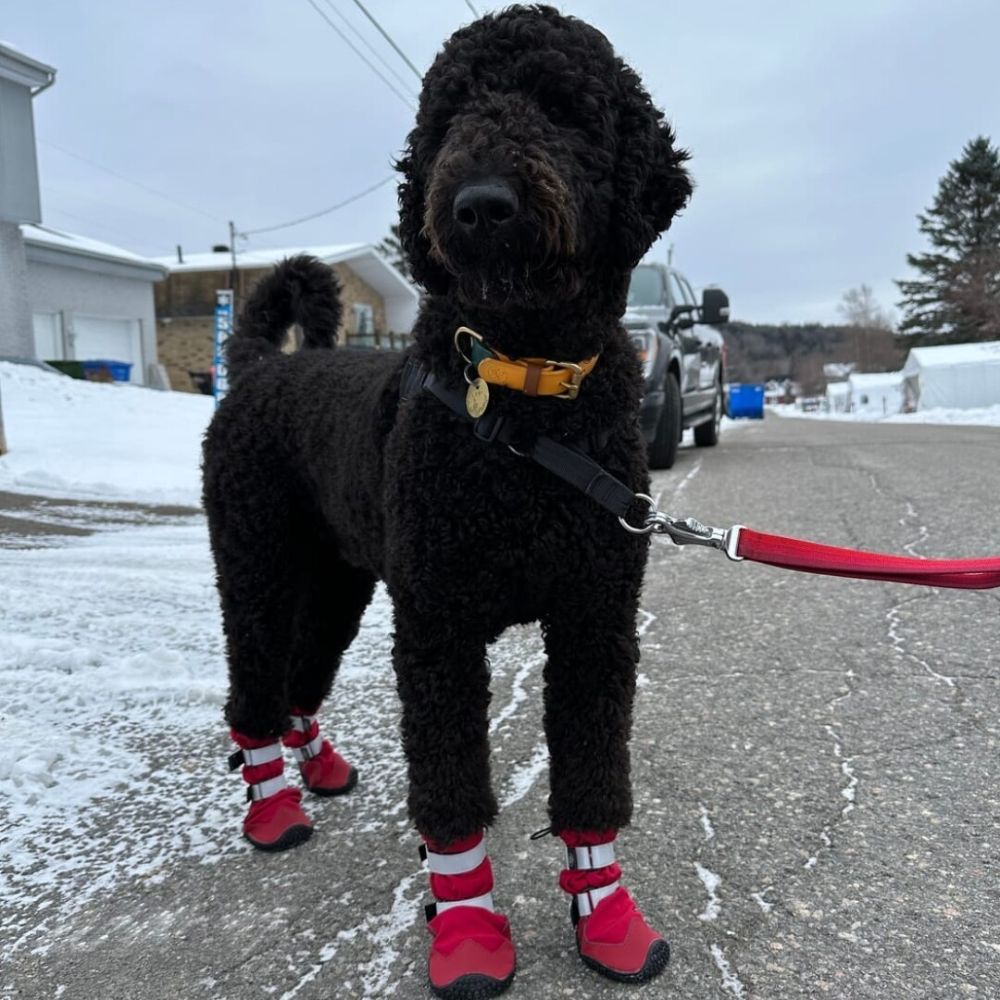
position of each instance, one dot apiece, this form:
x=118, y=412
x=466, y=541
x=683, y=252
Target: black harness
x=570, y=463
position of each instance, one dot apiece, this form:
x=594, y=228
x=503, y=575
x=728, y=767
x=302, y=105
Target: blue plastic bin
x=746, y=402
x=104, y=370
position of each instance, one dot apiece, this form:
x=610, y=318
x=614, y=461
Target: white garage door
x=100, y=339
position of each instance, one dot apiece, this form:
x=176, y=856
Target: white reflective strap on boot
x=586, y=902
x=485, y=902
x=310, y=750
x=265, y=789
x=598, y=856
x=303, y=722
x=454, y=864
x=261, y=755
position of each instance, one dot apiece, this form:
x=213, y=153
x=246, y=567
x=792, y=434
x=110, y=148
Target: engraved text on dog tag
x=477, y=398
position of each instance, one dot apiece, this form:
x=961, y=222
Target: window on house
x=364, y=325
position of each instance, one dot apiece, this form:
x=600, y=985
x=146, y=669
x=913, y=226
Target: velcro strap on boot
x=252, y=756
x=596, y=856
x=310, y=750
x=431, y=910
x=303, y=722
x=454, y=864
x=265, y=789
x=586, y=902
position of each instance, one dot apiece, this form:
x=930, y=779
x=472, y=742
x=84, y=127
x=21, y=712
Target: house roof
x=400, y=294
x=869, y=380
x=19, y=68
x=55, y=246
x=954, y=354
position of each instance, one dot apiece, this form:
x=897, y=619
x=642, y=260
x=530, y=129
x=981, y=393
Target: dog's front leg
x=443, y=681
x=589, y=689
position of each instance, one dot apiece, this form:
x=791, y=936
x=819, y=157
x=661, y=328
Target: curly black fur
x=318, y=482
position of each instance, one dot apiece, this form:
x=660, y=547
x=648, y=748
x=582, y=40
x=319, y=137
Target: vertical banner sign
x=223, y=328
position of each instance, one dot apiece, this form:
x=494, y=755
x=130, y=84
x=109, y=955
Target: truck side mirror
x=714, y=307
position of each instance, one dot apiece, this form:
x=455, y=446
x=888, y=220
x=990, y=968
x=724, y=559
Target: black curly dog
x=536, y=177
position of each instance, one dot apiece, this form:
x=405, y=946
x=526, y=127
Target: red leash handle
x=811, y=557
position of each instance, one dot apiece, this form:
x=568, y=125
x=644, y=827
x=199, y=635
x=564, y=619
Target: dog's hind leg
x=333, y=598
x=261, y=539
x=590, y=684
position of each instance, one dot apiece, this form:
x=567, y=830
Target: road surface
x=815, y=764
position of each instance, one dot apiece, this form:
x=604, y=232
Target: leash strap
x=811, y=557
x=739, y=543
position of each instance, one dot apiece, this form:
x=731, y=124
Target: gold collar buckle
x=576, y=374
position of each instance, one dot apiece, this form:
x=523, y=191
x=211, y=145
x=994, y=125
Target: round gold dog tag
x=477, y=398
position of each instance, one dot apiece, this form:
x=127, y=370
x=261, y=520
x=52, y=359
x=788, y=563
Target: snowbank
x=986, y=416
x=75, y=439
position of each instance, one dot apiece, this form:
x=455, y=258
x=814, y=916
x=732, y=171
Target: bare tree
x=871, y=327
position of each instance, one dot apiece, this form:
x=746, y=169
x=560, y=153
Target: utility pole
x=3, y=440
x=232, y=256
x=670, y=255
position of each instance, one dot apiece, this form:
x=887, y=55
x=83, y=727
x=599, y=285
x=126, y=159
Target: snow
x=983, y=416
x=75, y=439
x=955, y=354
x=48, y=237
x=222, y=260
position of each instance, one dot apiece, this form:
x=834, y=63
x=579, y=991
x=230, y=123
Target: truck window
x=646, y=286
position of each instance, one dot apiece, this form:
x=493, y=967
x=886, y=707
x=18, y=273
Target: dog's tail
x=300, y=290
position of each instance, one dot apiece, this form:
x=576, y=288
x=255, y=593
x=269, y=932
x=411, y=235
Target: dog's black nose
x=484, y=205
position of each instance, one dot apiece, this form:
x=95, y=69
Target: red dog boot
x=471, y=955
x=275, y=820
x=323, y=770
x=612, y=936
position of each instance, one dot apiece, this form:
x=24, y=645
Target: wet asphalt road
x=815, y=764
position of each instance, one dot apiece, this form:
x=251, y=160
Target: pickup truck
x=683, y=359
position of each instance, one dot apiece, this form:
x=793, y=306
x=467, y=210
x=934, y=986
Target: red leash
x=811, y=557
x=741, y=543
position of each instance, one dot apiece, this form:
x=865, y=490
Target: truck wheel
x=663, y=450
x=707, y=435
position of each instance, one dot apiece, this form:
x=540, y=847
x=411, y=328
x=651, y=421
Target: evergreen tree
x=392, y=250
x=957, y=296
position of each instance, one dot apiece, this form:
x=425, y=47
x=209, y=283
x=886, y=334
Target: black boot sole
x=292, y=837
x=657, y=959
x=329, y=793
x=473, y=987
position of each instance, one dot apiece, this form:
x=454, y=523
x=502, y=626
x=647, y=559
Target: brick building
x=380, y=305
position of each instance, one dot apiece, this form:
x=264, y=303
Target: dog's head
x=538, y=168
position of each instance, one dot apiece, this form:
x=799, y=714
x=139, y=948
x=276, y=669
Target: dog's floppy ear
x=651, y=184
x=416, y=246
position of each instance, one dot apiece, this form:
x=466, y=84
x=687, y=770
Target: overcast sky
x=817, y=130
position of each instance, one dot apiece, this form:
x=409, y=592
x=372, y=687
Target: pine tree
x=392, y=250
x=957, y=297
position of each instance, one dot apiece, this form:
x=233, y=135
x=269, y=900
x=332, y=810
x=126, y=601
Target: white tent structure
x=876, y=393
x=838, y=397
x=957, y=376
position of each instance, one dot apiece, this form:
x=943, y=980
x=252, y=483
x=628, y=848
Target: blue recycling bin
x=104, y=370
x=746, y=402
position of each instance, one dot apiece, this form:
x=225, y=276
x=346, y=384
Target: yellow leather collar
x=532, y=376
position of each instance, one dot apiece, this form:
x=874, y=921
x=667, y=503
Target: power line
x=363, y=57
x=468, y=3
x=385, y=34
x=324, y=211
x=371, y=48
x=128, y=180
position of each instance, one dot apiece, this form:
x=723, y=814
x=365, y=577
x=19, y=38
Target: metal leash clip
x=686, y=531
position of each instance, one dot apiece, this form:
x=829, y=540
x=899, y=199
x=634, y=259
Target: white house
x=838, y=397
x=876, y=393
x=959, y=376
x=91, y=301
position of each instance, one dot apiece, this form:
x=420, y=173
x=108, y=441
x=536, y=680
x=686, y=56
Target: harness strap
x=265, y=789
x=454, y=864
x=309, y=750
x=254, y=756
x=569, y=463
x=485, y=902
